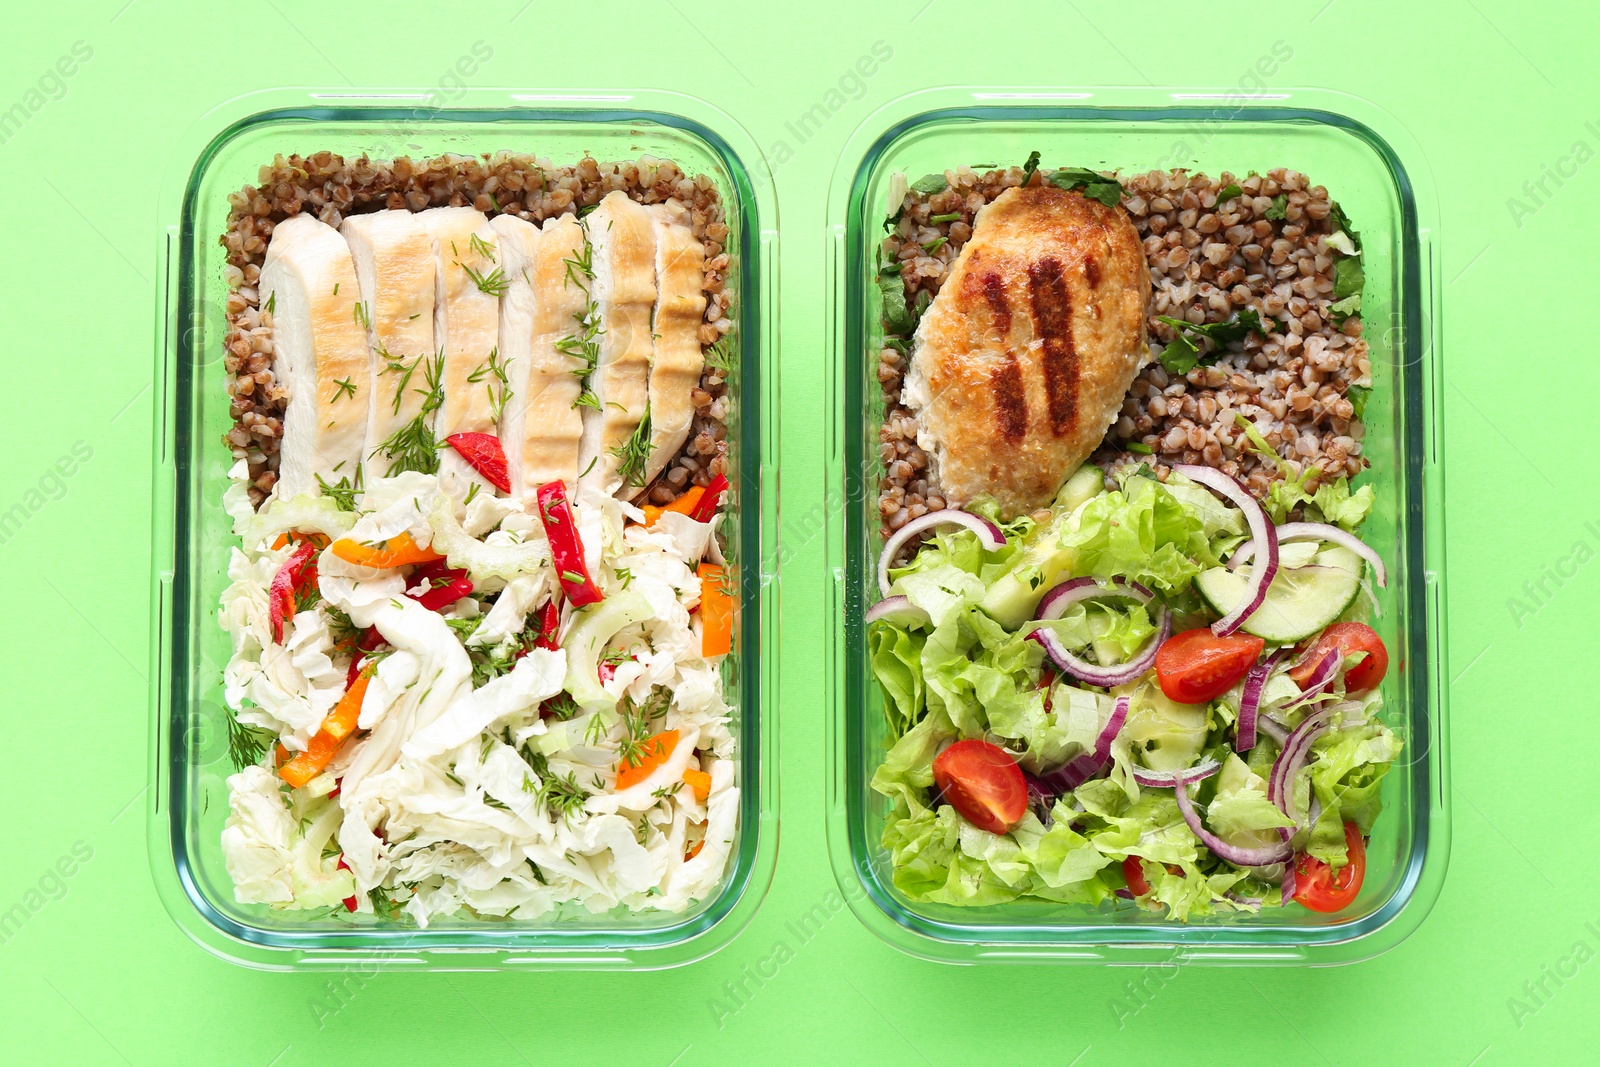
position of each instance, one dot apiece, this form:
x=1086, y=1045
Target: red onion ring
x=1321, y=678
x=1250, y=703
x=1262, y=533
x=1167, y=779
x=1234, y=854
x=1288, y=885
x=1286, y=768
x=1055, y=603
x=989, y=536
x=1318, y=531
x=1086, y=765
x=896, y=609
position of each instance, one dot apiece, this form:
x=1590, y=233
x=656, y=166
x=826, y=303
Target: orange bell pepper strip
x=653, y=753
x=318, y=539
x=700, y=782
x=398, y=551
x=694, y=850
x=339, y=724
x=716, y=612
x=684, y=505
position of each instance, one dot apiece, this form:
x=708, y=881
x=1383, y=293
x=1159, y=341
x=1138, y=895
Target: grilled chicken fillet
x=320, y=354
x=1022, y=361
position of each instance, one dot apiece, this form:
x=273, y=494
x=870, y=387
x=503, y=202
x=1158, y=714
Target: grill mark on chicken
x=994, y=292
x=1052, y=319
x=1010, y=405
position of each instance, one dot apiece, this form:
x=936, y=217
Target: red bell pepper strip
x=549, y=623
x=446, y=585
x=705, y=509
x=565, y=547
x=484, y=454
x=290, y=579
x=349, y=902
x=370, y=639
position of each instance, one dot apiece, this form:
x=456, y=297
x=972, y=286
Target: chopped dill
x=634, y=453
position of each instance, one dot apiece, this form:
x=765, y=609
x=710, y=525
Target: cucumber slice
x=1301, y=600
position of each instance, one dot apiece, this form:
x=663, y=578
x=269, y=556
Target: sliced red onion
x=1317, y=531
x=1280, y=781
x=1234, y=854
x=1262, y=532
x=1123, y=893
x=1288, y=884
x=989, y=536
x=897, y=609
x=1086, y=765
x=1272, y=728
x=1168, y=779
x=1055, y=603
x=1250, y=703
x=1321, y=678
x=1059, y=598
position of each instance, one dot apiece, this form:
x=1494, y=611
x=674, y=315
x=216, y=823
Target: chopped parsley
x=929, y=184
x=1280, y=207
x=1029, y=167
x=1228, y=192
x=1182, y=355
x=1094, y=185
x=1359, y=395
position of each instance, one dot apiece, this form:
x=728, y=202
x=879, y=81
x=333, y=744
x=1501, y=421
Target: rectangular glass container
x=1375, y=171
x=188, y=800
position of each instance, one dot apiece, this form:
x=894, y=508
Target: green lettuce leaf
x=896, y=655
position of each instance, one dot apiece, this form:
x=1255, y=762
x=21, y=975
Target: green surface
x=1498, y=96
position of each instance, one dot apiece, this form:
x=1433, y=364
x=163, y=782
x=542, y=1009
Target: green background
x=1496, y=94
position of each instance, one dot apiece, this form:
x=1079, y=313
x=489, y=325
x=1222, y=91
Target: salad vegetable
x=1156, y=693
x=458, y=707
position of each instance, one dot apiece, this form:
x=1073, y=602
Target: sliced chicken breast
x=615, y=448
x=466, y=326
x=680, y=308
x=395, y=269
x=1022, y=361
x=541, y=327
x=308, y=280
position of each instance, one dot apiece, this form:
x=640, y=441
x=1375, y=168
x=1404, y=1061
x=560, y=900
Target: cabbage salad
x=449, y=704
x=1166, y=694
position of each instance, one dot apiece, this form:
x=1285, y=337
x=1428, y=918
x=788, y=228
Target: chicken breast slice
x=615, y=449
x=396, y=274
x=308, y=280
x=466, y=326
x=678, y=359
x=541, y=326
x=1022, y=361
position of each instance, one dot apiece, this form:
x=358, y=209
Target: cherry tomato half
x=983, y=783
x=1133, y=874
x=1349, y=638
x=1196, y=665
x=1318, y=888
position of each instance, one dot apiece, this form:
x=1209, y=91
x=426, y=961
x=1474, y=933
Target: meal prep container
x=1375, y=172
x=192, y=535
